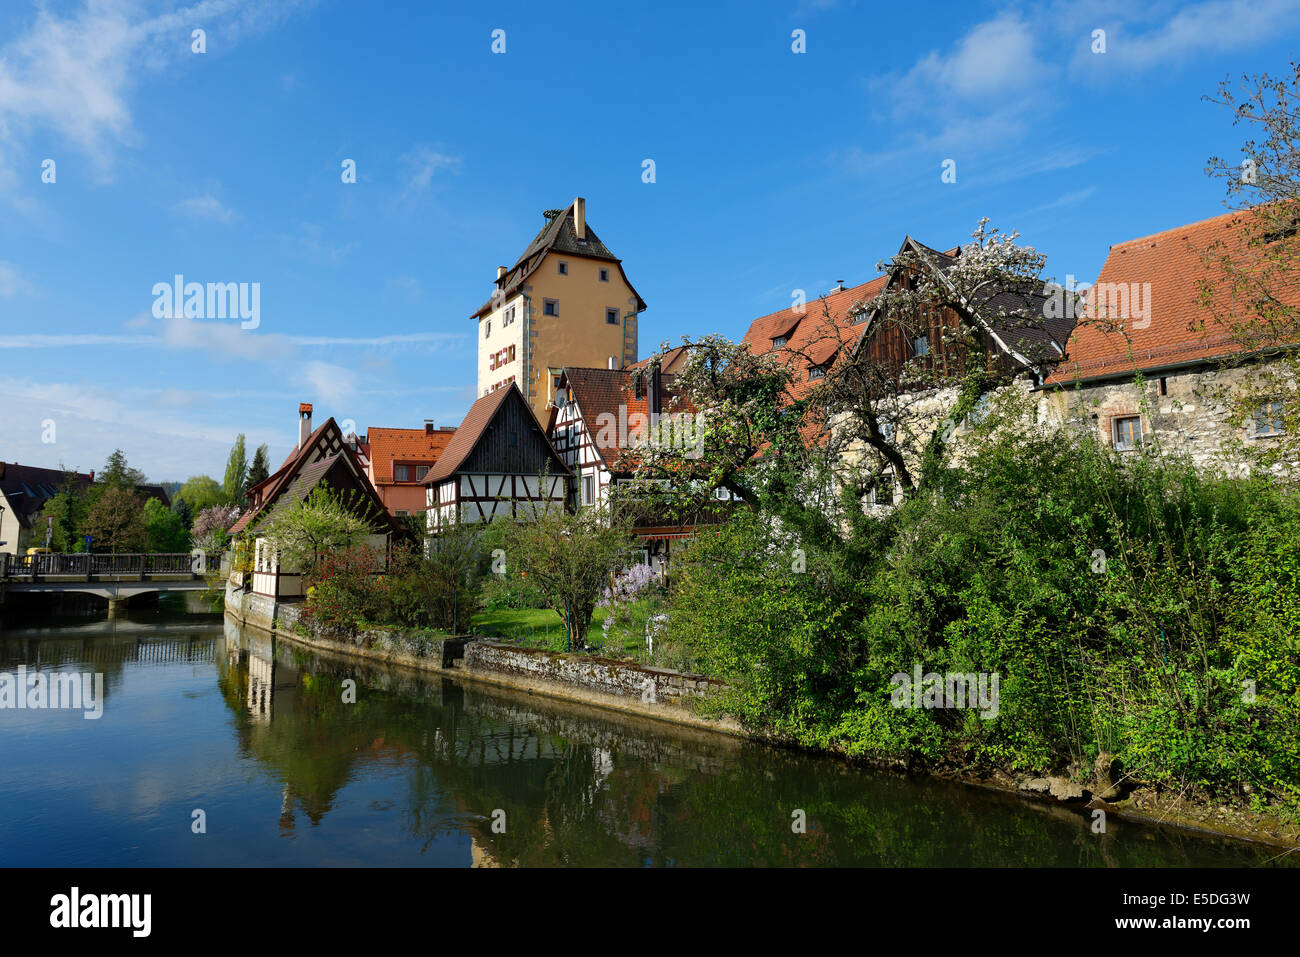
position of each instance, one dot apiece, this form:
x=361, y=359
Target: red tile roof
x=601, y=392
x=809, y=332
x=405, y=446
x=1181, y=329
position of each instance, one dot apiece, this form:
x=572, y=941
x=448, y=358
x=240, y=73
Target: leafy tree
x=307, y=529
x=568, y=557
x=236, y=480
x=116, y=521
x=1253, y=273
x=68, y=510
x=260, y=470
x=164, y=528
x=200, y=492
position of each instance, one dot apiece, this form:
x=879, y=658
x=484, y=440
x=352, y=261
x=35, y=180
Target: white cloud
x=334, y=384
x=12, y=282
x=206, y=207
x=422, y=162
x=75, y=73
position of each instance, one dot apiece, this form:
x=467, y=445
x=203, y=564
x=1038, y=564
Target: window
x=1164, y=386
x=512, y=438
x=779, y=341
x=555, y=382
x=604, y=275
x=1127, y=432
x=550, y=307
x=588, y=489
x=487, y=328
x=420, y=472
x=402, y=473
x=817, y=372
x=1268, y=418
x=401, y=513
x=611, y=316
x=921, y=345
x=563, y=267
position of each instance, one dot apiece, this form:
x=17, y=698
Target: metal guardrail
x=94, y=565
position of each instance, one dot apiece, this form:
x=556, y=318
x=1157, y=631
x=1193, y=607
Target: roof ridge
x=1173, y=230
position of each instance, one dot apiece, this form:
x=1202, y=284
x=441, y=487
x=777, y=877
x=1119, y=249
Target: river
x=251, y=737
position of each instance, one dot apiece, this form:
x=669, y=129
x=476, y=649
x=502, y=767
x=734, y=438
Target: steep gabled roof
x=305, y=464
x=27, y=488
x=1177, y=328
x=559, y=235
x=604, y=392
x=1032, y=345
x=475, y=425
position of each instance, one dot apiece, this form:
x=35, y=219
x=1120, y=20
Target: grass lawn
x=541, y=628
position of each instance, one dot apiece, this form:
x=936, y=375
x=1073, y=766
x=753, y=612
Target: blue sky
x=775, y=171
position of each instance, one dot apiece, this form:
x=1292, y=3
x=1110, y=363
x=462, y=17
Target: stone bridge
x=117, y=578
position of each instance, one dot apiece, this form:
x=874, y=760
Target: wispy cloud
x=12, y=282
x=206, y=207
x=74, y=74
x=422, y=163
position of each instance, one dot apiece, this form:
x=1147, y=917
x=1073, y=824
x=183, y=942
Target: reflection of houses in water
x=272, y=685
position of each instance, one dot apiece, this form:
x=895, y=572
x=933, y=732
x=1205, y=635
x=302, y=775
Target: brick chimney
x=580, y=218
x=428, y=426
x=304, y=423
x=501, y=271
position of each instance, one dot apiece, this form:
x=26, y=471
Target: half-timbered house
x=322, y=459
x=499, y=462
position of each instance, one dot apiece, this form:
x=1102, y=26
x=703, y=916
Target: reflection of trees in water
x=578, y=788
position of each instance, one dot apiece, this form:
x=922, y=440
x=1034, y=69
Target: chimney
x=304, y=423
x=92, y=475
x=839, y=287
x=580, y=218
x=428, y=426
x=501, y=271
x=613, y=362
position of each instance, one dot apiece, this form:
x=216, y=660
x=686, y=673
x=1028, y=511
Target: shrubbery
x=1132, y=607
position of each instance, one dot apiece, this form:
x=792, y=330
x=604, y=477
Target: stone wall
x=1186, y=411
x=601, y=675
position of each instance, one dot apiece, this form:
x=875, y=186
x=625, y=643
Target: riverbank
x=662, y=695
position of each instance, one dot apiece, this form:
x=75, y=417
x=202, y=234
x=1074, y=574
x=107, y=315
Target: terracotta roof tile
x=1180, y=328
x=406, y=446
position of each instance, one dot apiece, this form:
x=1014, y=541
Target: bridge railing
x=90, y=565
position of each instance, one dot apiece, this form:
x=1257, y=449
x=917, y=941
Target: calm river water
x=201, y=716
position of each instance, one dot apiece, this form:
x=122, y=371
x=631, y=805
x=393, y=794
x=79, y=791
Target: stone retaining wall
x=604, y=675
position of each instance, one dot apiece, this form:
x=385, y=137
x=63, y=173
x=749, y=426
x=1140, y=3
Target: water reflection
x=427, y=769
x=575, y=787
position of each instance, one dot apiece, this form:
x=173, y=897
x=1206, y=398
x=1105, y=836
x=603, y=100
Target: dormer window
x=817, y=372
x=779, y=341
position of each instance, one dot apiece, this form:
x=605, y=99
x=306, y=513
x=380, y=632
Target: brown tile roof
x=561, y=236
x=468, y=433
x=274, y=483
x=1181, y=329
x=809, y=332
x=406, y=446
x=28, y=487
x=601, y=392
